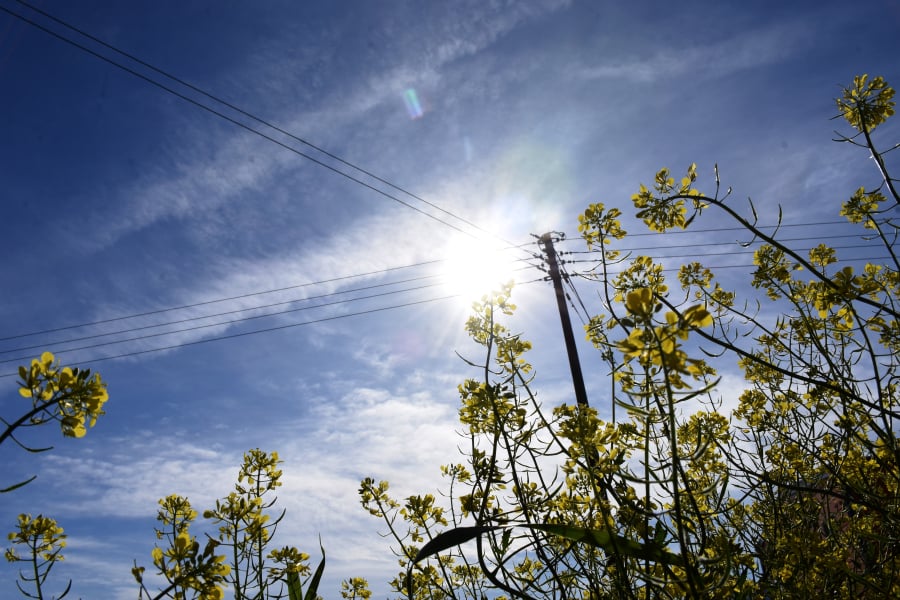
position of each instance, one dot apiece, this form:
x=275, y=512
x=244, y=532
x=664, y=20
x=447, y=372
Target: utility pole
x=574, y=364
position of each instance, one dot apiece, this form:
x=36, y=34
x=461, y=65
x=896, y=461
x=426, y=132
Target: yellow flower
x=640, y=302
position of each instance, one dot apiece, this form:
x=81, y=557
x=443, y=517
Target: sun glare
x=475, y=268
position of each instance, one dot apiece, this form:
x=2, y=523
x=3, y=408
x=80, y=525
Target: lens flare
x=467, y=149
x=413, y=107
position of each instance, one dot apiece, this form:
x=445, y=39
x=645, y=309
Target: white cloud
x=126, y=479
x=206, y=168
x=746, y=50
x=402, y=434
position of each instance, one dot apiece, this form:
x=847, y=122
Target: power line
x=258, y=331
x=238, y=123
x=335, y=279
x=586, y=275
x=705, y=254
x=245, y=309
x=230, y=298
x=220, y=323
x=260, y=121
x=716, y=230
x=251, y=116
x=213, y=315
x=215, y=301
x=567, y=284
x=567, y=277
x=731, y=253
x=730, y=243
x=246, y=127
x=253, y=332
x=232, y=120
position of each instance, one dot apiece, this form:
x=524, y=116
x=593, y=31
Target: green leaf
x=36, y=450
x=451, y=538
x=18, y=485
x=616, y=544
x=599, y=538
x=659, y=535
x=295, y=590
x=444, y=541
x=313, y=589
x=504, y=544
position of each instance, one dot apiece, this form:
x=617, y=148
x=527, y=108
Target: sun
x=474, y=268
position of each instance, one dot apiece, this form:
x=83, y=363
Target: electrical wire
x=716, y=230
x=736, y=253
x=248, y=115
x=230, y=298
x=234, y=121
x=217, y=300
x=705, y=254
x=730, y=243
x=253, y=332
x=238, y=123
x=259, y=331
x=564, y=278
x=245, y=309
x=695, y=247
x=226, y=322
x=567, y=276
x=213, y=315
x=300, y=140
x=565, y=273
x=567, y=280
x=587, y=275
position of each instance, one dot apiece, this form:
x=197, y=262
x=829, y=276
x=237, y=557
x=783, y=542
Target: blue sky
x=120, y=198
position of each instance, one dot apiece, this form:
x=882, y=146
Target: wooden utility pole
x=574, y=364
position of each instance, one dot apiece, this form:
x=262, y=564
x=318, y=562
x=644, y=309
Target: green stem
x=34, y=411
x=34, y=564
x=879, y=161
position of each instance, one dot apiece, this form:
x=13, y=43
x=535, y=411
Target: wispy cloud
x=746, y=50
x=198, y=174
x=397, y=433
x=314, y=271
